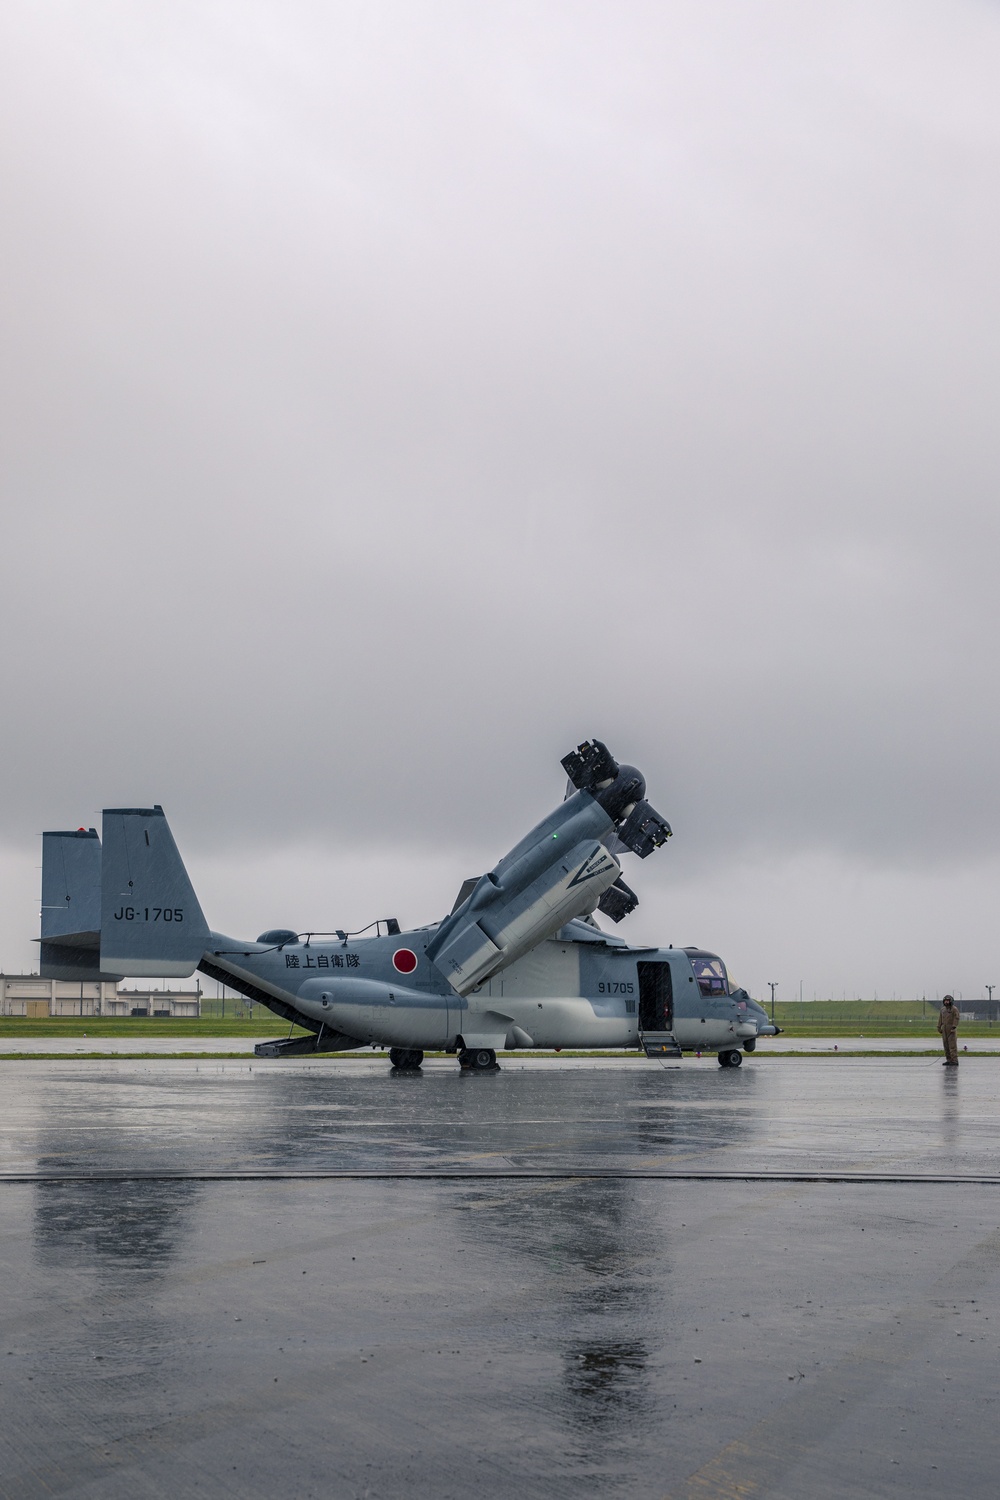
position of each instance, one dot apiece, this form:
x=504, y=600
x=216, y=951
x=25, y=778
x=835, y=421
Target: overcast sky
x=395, y=394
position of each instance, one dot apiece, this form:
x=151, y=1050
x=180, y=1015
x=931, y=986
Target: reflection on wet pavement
x=789, y=1115
x=547, y=1338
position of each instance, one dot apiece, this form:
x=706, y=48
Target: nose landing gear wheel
x=730, y=1059
x=405, y=1059
x=478, y=1060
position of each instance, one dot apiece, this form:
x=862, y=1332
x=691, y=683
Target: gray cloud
x=395, y=394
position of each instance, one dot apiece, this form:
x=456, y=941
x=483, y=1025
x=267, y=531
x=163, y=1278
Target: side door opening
x=656, y=997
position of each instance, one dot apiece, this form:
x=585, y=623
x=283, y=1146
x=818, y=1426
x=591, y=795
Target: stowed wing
x=562, y=869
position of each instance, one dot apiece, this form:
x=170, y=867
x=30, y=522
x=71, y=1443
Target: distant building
x=975, y=1010
x=154, y=1003
x=35, y=998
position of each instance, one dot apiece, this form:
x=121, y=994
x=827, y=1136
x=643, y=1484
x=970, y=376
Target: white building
x=31, y=996
x=153, y=1003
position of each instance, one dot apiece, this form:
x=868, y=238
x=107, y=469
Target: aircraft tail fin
x=151, y=922
x=71, y=906
x=71, y=884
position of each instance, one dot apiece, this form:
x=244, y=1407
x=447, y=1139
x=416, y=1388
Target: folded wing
x=564, y=868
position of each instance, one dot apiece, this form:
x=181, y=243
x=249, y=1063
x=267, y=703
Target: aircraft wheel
x=480, y=1059
x=750, y=1044
x=405, y=1057
x=730, y=1059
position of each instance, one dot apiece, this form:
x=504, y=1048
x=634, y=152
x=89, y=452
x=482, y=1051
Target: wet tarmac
x=565, y=1278
x=230, y=1046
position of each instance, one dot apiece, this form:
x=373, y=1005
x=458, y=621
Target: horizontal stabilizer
x=62, y=960
x=151, y=922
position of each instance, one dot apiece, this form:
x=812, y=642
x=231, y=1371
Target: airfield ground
x=579, y=1276
x=837, y=1019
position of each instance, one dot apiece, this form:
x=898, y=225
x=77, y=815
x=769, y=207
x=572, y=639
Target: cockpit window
x=710, y=973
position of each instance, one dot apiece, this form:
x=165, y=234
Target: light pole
x=772, y=986
x=989, y=988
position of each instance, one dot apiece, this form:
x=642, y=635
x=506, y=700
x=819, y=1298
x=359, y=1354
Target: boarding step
x=295, y=1046
x=659, y=1044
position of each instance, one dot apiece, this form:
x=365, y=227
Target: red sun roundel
x=405, y=960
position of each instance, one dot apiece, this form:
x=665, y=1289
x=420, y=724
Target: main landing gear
x=471, y=1059
x=478, y=1060
x=405, y=1059
x=730, y=1059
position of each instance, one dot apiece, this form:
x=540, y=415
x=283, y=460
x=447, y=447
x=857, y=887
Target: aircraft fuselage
x=581, y=989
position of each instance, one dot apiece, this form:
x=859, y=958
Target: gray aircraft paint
x=514, y=965
x=71, y=884
x=560, y=870
x=71, y=906
x=151, y=922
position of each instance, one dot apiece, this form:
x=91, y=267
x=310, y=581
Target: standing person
x=948, y=1019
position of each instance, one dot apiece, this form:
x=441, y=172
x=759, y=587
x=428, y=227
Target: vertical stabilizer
x=71, y=906
x=71, y=884
x=151, y=922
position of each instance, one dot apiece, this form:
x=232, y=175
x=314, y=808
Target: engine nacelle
x=558, y=872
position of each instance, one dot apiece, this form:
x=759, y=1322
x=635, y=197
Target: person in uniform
x=948, y=1027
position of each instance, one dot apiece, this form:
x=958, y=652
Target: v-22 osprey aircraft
x=519, y=962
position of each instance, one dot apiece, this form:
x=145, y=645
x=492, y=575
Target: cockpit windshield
x=709, y=971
